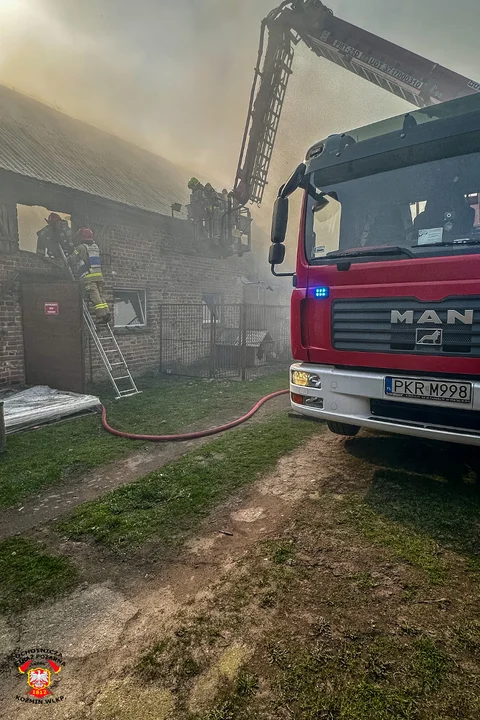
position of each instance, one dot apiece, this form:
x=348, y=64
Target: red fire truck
x=386, y=304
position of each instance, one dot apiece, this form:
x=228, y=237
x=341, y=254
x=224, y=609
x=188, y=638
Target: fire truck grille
x=420, y=328
x=425, y=416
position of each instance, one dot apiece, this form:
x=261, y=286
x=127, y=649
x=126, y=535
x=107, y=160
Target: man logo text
x=430, y=316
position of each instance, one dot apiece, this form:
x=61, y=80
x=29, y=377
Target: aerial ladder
x=383, y=63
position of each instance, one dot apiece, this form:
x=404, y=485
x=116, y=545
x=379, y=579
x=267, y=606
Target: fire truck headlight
x=304, y=379
x=300, y=378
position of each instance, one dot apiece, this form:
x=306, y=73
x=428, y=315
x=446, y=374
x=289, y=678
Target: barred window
x=130, y=308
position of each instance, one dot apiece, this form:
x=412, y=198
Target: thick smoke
x=174, y=76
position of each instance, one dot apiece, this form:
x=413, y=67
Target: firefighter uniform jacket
x=86, y=263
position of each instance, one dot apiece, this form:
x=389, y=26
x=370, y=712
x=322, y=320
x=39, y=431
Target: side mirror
x=294, y=181
x=279, y=220
x=276, y=254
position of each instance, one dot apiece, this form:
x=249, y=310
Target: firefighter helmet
x=85, y=234
x=192, y=183
x=53, y=218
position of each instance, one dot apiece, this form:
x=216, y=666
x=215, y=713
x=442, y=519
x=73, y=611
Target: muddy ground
x=64, y=496
x=288, y=602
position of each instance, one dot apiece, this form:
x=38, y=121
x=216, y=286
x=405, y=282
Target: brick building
x=51, y=162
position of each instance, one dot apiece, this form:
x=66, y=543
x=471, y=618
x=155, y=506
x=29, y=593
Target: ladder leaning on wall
x=112, y=356
x=108, y=349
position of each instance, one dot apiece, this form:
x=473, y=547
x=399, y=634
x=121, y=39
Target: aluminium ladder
x=112, y=357
x=107, y=346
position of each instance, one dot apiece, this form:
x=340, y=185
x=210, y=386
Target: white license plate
x=441, y=391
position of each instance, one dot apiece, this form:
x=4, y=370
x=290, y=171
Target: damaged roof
x=40, y=142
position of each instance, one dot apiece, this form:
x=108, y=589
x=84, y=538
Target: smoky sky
x=174, y=75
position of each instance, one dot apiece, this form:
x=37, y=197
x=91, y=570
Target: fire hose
x=192, y=435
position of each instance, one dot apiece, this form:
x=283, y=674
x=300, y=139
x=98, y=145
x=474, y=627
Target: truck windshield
x=426, y=208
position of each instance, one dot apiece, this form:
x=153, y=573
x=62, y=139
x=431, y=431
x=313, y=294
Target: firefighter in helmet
x=196, y=208
x=193, y=183
x=224, y=199
x=55, y=233
x=86, y=266
x=196, y=190
x=212, y=211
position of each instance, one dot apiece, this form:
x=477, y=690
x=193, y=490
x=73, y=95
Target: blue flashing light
x=321, y=293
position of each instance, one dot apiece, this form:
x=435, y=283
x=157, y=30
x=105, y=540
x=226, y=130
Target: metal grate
x=366, y=325
x=425, y=416
x=229, y=340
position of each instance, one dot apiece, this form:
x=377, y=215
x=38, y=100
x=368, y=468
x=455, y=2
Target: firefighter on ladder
x=86, y=266
x=56, y=232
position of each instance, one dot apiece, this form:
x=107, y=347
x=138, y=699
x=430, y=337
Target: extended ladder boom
x=383, y=63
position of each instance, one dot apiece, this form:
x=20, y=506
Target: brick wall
x=140, y=251
x=12, y=262
x=160, y=259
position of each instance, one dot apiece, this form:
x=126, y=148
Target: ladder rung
x=100, y=342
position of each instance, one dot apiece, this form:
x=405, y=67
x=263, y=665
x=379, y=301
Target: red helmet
x=85, y=233
x=53, y=218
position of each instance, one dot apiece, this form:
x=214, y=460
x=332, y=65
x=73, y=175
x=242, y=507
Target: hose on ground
x=192, y=435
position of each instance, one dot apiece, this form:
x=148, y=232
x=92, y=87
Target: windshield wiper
x=375, y=252
x=452, y=243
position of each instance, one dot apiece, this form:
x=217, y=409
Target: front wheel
x=343, y=429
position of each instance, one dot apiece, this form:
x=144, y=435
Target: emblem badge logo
x=39, y=679
x=39, y=667
x=429, y=337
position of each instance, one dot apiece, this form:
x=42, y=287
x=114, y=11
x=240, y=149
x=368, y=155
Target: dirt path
x=66, y=495
x=126, y=619
x=293, y=570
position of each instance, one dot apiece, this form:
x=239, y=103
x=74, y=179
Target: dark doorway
x=53, y=335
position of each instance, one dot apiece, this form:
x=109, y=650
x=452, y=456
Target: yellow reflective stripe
x=97, y=274
x=101, y=305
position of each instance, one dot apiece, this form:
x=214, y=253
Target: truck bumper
x=349, y=396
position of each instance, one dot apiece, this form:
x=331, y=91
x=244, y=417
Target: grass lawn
x=166, y=504
x=38, y=459
x=30, y=575
x=418, y=520
x=363, y=607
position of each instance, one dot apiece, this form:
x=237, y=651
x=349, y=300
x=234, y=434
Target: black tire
x=343, y=429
